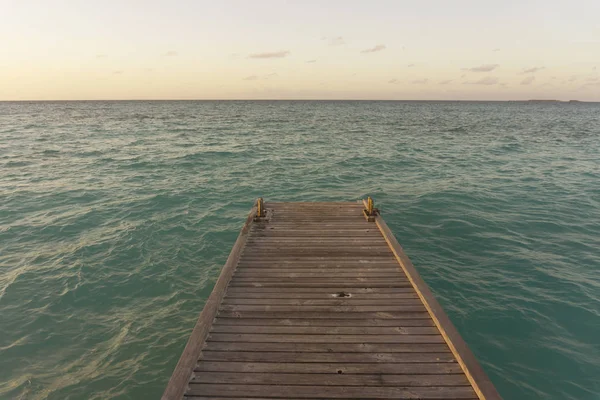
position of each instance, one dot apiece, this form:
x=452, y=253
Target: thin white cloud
x=270, y=54
x=393, y=81
x=410, y=65
x=101, y=56
x=336, y=41
x=528, y=81
x=311, y=61
x=495, y=50
x=447, y=81
x=263, y=77
x=117, y=72
x=170, y=53
x=482, y=68
x=420, y=81
x=532, y=70
x=374, y=49
x=488, y=80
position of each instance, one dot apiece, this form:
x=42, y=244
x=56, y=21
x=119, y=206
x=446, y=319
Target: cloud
x=336, y=41
x=271, y=54
x=528, y=81
x=420, y=81
x=482, y=68
x=488, y=80
x=410, y=65
x=573, y=78
x=311, y=61
x=532, y=70
x=170, y=53
x=496, y=50
x=447, y=81
x=264, y=77
x=101, y=56
x=375, y=49
x=117, y=72
x=393, y=81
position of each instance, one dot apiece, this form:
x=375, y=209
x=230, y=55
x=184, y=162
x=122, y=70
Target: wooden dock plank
x=326, y=330
x=333, y=301
x=286, y=357
x=321, y=322
x=335, y=392
x=316, y=302
x=331, y=379
x=330, y=347
x=395, y=315
x=331, y=368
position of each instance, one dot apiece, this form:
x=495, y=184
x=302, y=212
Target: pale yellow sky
x=433, y=49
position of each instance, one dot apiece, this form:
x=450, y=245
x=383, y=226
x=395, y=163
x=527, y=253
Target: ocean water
x=116, y=217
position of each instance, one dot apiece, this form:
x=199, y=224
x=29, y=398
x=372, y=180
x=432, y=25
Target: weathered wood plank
x=331, y=379
x=315, y=233
x=268, y=252
x=326, y=330
x=332, y=285
x=358, y=358
x=338, y=392
x=306, y=282
x=315, y=322
x=320, y=274
x=330, y=309
x=331, y=347
x=333, y=301
x=329, y=290
x=251, y=270
x=365, y=261
x=394, y=315
x=282, y=265
x=330, y=368
x=274, y=338
x=233, y=294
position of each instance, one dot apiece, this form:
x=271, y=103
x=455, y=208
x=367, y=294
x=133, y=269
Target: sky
x=277, y=49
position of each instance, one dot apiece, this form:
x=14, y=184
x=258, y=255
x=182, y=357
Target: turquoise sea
x=116, y=217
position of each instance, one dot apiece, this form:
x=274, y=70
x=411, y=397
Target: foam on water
x=116, y=217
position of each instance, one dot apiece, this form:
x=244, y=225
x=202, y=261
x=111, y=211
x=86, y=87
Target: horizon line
x=399, y=100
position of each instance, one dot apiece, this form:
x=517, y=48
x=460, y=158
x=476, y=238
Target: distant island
x=553, y=101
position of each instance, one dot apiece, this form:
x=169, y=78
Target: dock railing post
x=370, y=211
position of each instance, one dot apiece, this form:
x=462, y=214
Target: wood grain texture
x=331, y=379
x=332, y=392
x=315, y=322
x=330, y=347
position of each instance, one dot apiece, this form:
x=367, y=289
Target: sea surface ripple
x=116, y=217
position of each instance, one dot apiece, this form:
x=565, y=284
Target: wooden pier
x=318, y=301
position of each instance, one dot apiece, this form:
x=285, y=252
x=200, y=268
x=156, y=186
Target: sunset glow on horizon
x=183, y=49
